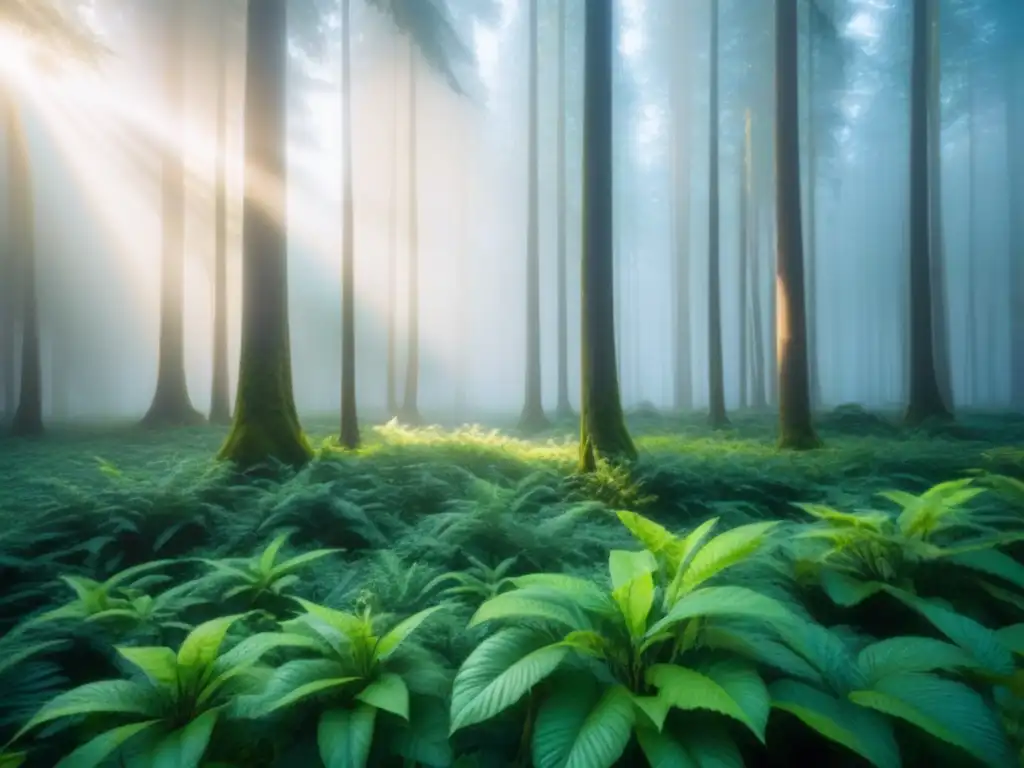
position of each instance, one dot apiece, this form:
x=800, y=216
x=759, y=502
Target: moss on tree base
x=250, y=444
x=799, y=440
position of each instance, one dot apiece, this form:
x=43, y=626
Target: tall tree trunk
x=682, y=379
x=392, y=372
x=603, y=433
x=1015, y=157
x=349, y=435
x=971, y=348
x=757, y=400
x=9, y=285
x=532, y=419
x=410, y=413
x=796, y=430
x=716, y=383
x=171, y=405
x=812, y=220
x=744, y=265
x=940, y=312
x=266, y=424
x=220, y=397
x=925, y=400
x=462, y=286
x=28, y=417
x=564, y=408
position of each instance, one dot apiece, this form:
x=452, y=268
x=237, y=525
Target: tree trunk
x=682, y=395
x=28, y=417
x=349, y=435
x=940, y=313
x=603, y=433
x=796, y=430
x=757, y=400
x=925, y=400
x=812, y=222
x=532, y=419
x=716, y=384
x=392, y=372
x=410, y=412
x=744, y=266
x=1015, y=158
x=220, y=398
x=171, y=405
x=971, y=348
x=9, y=312
x=564, y=408
x=266, y=424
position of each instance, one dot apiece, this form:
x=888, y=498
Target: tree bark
x=266, y=425
x=564, y=407
x=1015, y=157
x=532, y=418
x=744, y=265
x=811, y=254
x=349, y=434
x=716, y=384
x=28, y=416
x=220, y=397
x=392, y=352
x=796, y=430
x=757, y=401
x=603, y=433
x=410, y=412
x=682, y=395
x=171, y=405
x=971, y=347
x=925, y=401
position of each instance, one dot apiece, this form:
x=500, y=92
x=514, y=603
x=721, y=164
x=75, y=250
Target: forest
x=488, y=383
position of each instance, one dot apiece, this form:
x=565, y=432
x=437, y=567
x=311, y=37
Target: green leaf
x=105, y=696
x=499, y=672
x=992, y=562
x=663, y=751
x=307, y=690
x=947, y=710
x=588, y=596
x=200, y=647
x=345, y=736
x=98, y=749
x=713, y=747
x=347, y=624
x=390, y=642
x=528, y=603
x=734, y=691
x=846, y=591
x=900, y=655
x=390, y=693
x=653, y=708
x=185, y=747
x=979, y=641
x=299, y=561
x=859, y=730
x=579, y=726
x=159, y=664
x=724, y=601
x=266, y=561
x=654, y=537
x=724, y=551
x=633, y=587
x=758, y=647
x=1013, y=637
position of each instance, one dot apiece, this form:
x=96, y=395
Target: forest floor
x=414, y=504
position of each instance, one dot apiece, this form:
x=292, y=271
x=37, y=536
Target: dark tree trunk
x=796, y=429
x=564, y=408
x=716, y=383
x=171, y=405
x=1015, y=157
x=28, y=416
x=349, y=436
x=682, y=379
x=925, y=400
x=744, y=266
x=603, y=433
x=532, y=419
x=392, y=352
x=220, y=398
x=410, y=412
x=266, y=424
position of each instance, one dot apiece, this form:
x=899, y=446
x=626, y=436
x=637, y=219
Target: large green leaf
x=992, y=562
x=185, y=747
x=900, y=655
x=845, y=590
x=586, y=594
x=266, y=562
x=724, y=551
x=345, y=736
x=712, y=746
x=95, y=751
x=579, y=725
x=1013, y=637
x=105, y=696
x=745, y=699
x=947, y=710
x=856, y=728
x=389, y=693
x=758, y=647
x=499, y=672
x=347, y=624
x=663, y=751
x=655, y=538
x=201, y=646
x=159, y=664
x=530, y=603
x=724, y=601
x=283, y=570
x=390, y=642
x=633, y=586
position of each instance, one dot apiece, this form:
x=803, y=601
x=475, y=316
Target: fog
x=95, y=137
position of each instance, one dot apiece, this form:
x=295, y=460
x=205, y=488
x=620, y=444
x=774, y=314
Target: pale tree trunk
x=392, y=352
x=349, y=435
x=220, y=397
x=744, y=267
x=410, y=412
x=716, y=384
x=682, y=330
x=564, y=408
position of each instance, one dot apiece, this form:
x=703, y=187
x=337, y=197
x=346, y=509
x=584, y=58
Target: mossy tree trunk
x=564, y=407
x=220, y=397
x=925, y=400
x=171, y=405
x=28, y=416
x=716, y=383
x=603, y=433
x=349, y=435
x=532, y=418
x=266, y=424
x=682, y=376
x=796, y=429
x=410, y=412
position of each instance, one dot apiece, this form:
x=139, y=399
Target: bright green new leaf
x=389, y=693
x=159, y=664
x=202, y=644
x=633, y=587
x=389, y=643
x=724, y=551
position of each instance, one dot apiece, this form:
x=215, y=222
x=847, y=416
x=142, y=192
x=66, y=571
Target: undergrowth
x=462, y=598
